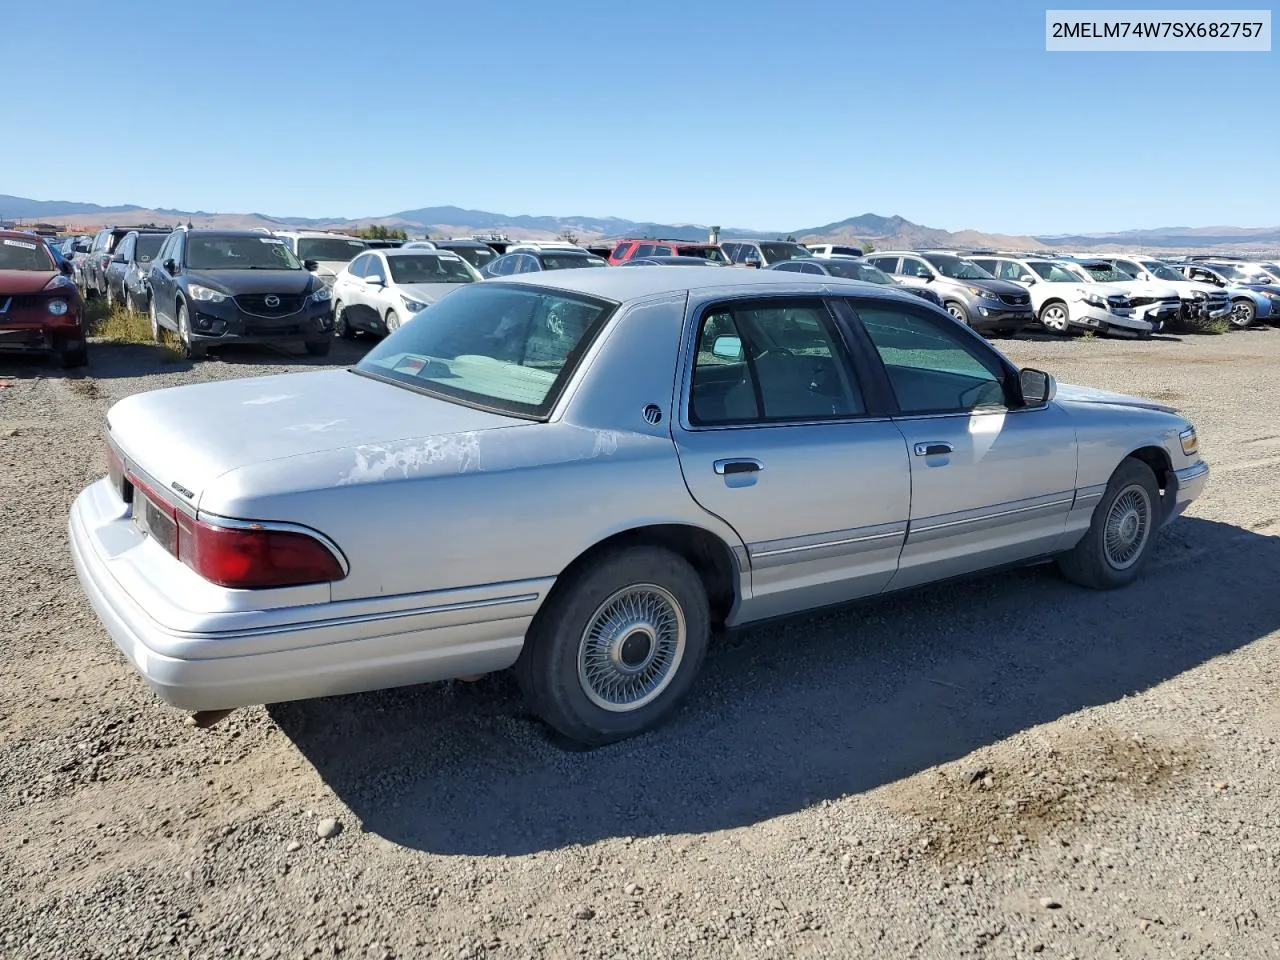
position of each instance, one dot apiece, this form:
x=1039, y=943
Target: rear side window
x=761, y=362
x=887, y=264
x=623, y=250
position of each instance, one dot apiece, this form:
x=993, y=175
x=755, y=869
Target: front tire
x=1243, y=312
x=340, y=325
x=1124, y=527
x=957, y=311
x=70, y=357
x=186, y=344
x=617, y=646
x=1055, y=317
x=392, y=321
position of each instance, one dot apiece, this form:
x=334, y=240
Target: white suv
x=833, y=250
x=1063, y=301
x=1199, y=300
x=330, y=251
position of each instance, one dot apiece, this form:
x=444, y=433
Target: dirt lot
x=1003, y=767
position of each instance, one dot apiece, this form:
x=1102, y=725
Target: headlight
x=320, y=295
x=413, y=305
x=1190, y=442
x=1093, y=299
x=57, y=307
x=984, y=294
x=61, y=280
x=1199, y=295
x=205, y=294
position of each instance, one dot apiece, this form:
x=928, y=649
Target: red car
x=629, y=249
x=40, y=308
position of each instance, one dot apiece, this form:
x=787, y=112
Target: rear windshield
x=503, y=347
x=705, y=252
x=329, y=248
x=428, y=268
x=569, y=261
x=30, y=254
x=148, y=246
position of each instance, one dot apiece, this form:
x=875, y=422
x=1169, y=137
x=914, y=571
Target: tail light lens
x=254, y=556
x=244, y=556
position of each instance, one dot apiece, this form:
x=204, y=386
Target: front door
x=991, y=483
x=775, y=438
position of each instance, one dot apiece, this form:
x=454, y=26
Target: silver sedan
x=582, y=474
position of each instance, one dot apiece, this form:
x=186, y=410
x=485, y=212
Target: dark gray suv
x=969, y=293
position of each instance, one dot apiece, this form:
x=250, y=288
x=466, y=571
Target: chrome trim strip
x=1094, y=492
x=782, y=551
x=991, y=516
x=234, y=524
x=1193, y=472
x=368, y=617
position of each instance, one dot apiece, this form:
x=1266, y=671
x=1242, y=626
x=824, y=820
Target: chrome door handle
x=738, y=465
x=933, y=448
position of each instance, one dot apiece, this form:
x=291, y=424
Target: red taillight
x=254, y=556
x=115, y=472
x=243, y=556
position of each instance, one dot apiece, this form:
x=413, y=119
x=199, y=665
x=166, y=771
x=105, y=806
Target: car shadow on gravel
x=789, y=715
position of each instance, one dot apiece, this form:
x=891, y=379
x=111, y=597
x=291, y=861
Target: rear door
x=779, y=437
x=991, y=482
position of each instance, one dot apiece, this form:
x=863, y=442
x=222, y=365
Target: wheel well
x=1158, y=460
x=1051, y=301
x=705, y=552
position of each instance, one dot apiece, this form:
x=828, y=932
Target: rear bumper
x=233, y=658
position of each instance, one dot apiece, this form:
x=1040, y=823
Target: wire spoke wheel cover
x=1127, y=528
x=631, y=648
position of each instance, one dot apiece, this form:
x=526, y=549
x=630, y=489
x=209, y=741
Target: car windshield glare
x=147, y=247
x=1161, y=272
x=504, y=347
x=428, y=268
x=239, y=253
x=1105, y=273
x=958, y=269
x=852, y=270
x=1052, y=273
x=773, y=252
x=30, y=254
x=328, y=248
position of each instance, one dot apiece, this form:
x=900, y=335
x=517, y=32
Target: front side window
x=932, y=368
x=374, y=270
x=500, y=346
x=911, y=267
x=358, y=266
x=125, y=249
x=255, y=252
x=773, y=361
x=790, y=267
x=645, y=250
x=30, y=254
x=706, y=253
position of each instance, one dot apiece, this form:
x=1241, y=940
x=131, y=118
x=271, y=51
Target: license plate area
x=155, y=521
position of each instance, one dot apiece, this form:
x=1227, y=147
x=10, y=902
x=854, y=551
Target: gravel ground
x=1002, y=767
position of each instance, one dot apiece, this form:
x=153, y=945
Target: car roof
x=315, y=233
x=627, y=285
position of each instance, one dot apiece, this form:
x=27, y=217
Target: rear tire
x=616, y=646
x=157, y=331
x=1125, y=524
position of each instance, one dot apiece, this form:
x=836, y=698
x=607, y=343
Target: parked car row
x=204, y=287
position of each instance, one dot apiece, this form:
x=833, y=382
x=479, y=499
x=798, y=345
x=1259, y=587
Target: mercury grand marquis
x=582, y=474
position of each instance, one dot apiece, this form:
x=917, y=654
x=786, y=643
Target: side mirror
x=117, y=258
x=927, y=277
x=1027, y=279
x=311, y=265
x=171, y=267
x=727, y=348
x=1038, y=387
x=375, y=281
x=65, y=268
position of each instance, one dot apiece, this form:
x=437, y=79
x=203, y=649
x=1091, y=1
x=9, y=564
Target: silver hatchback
x=583, y=474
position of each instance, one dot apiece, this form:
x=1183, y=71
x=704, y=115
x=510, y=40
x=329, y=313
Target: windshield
x=853, y=270
x=1240, y=274
x=570, y=261
x=476, y=256
x=1052, y=273
x=703, y=253
x=774, y=252
x=328, y=248
x=1105, y=273
x=428, y=268
x=30, y=254
x=147, y=246
x=1161, y=271
x=239, y=253
x=957, y=269
x=498, y=346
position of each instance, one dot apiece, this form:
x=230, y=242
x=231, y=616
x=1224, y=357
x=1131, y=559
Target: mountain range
x=880, y=231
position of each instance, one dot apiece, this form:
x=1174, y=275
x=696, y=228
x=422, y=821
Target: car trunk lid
x=185, y=437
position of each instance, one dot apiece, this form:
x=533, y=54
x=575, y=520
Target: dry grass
x=122, y=326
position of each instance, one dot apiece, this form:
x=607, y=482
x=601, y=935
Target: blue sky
x=756, y=114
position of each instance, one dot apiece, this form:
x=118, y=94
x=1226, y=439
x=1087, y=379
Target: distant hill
x=883, y=232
